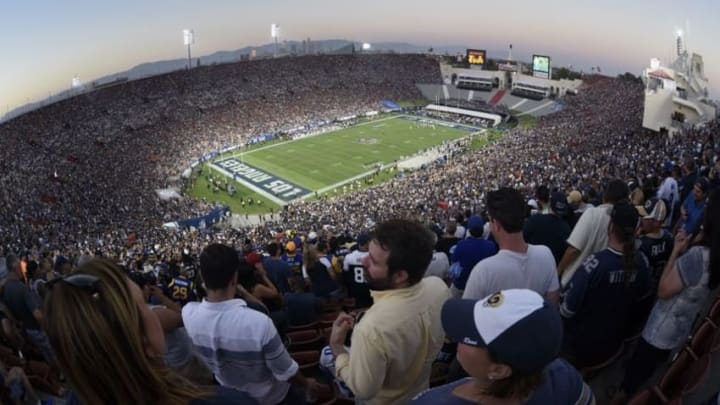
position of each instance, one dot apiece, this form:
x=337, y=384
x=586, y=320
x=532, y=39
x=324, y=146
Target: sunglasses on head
x=78, y=280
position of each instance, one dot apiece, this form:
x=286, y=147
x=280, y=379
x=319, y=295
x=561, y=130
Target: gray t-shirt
x=534, y=270
x=178, y=346
x=671, y=320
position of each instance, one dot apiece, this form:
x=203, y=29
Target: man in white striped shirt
x=240, y=345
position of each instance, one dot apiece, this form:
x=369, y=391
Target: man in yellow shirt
x=393, y=347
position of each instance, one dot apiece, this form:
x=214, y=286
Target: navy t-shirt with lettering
x=562, y=384
x=597, y=304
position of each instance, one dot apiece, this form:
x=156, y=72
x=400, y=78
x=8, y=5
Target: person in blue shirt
x=182, y=288
x=277, y=270
x=293, y=258
x=505, y=365
x=598, y=301
x=467, y=253
x=694, y=206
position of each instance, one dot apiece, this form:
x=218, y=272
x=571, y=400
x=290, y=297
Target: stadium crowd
x=80, y=213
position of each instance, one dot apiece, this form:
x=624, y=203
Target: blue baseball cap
x=476, y=222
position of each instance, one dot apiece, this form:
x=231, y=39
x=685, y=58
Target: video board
x=476, y=57
x=541, y=66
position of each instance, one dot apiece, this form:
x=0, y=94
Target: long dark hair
x=711, y=236
x=624, y=219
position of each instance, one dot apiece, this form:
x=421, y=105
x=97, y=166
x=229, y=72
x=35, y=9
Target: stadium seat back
x=716, y=342
x=697, y=373
x=307, y=326
x=676, y=377
x=305, y=340
x=647, y=396
x=309, y=362
x=714, y=314
x=702, y=340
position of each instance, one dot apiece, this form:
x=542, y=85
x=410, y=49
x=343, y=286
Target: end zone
x=269, y=185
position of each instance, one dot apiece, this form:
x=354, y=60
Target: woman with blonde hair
x=110, y=345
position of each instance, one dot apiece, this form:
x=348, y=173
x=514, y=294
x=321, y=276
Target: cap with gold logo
x=518, y=327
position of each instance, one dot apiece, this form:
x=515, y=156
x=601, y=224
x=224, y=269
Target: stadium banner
x=202, y=222
x=391, y=105
x=267, y=182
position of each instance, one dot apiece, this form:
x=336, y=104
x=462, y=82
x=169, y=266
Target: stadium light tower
x=275, y=33
x=679, y=42
x=189, y=39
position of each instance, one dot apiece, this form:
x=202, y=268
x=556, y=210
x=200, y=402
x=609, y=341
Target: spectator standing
x=590, y=232
x=504, y=364
x=517, y=264
x=265, y=370
x=277, y=270
x=599, y=300
x=398, y=338
x=694, y=206
x=550, y=229
x=691, y=272
x=354, y=273
x=26, y=308
x=468, y=253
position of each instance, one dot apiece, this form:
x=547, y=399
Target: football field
x=288, y=170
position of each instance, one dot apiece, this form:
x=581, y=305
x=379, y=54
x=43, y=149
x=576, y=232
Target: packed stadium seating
x=79, y=177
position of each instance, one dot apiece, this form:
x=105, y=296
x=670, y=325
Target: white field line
x=305, y=137
x=341, y=183
x=540, y=107
x=368, y=173
x=523, y=101
x=332, y=186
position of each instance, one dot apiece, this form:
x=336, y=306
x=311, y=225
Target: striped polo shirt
x=242, y=348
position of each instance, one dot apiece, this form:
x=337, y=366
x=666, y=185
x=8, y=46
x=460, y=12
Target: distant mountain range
x=266, y=50
x=286, y=48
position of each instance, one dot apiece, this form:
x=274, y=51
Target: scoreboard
x=541, y=66
x=476, y=57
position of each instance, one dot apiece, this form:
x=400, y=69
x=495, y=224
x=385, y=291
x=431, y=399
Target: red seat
x=716, y=342
x=309, y=362
x=307, y=326
x=676, y=377
x=648, y=396
x=326, y=395
x=714, y=314
x=701, y=342
x=697, y=374
x=305, y=340
x=326, y=320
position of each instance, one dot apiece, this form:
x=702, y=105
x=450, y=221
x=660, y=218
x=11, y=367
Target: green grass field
x=321, y=161
x=318, y=163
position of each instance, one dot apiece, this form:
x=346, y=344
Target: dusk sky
x=46, y=43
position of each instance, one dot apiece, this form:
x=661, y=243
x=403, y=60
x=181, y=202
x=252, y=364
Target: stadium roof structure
x=676, y=95
x=660, y=73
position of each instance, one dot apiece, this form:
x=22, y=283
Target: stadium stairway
x=497, y=97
